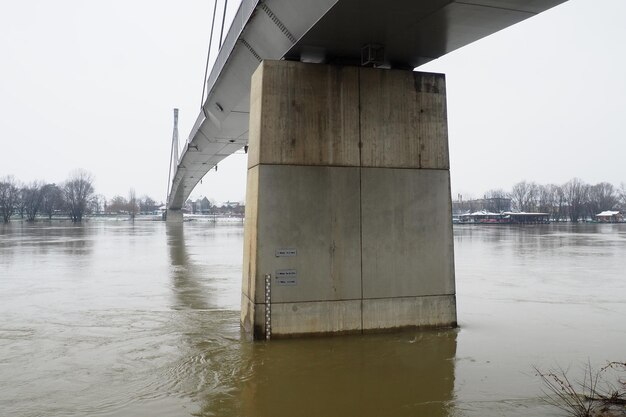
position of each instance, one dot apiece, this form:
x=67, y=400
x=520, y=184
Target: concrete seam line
x=396, y=297
x=360, y=193
x=350, y=166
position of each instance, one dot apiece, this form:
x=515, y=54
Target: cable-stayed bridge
x=348, y=212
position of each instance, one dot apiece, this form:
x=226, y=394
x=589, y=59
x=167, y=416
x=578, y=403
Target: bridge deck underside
x=332, y=31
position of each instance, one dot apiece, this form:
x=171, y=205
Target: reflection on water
x=383, y=375
x=117, y=319
x=332, y=376
x=186, y=277
x=33, y=240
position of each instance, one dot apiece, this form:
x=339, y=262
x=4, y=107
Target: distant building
x=508, y=217
x=199, y=206
x=492, y=205
x=231, y=208
x=203, y=206
x=189, y=207
x=609, y=217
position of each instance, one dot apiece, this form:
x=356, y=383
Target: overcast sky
x=86, y=84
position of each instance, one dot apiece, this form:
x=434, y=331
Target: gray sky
x=87, y=84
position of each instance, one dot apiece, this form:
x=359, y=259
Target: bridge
x=348, y=199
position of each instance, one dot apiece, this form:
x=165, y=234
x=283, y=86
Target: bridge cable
x=173, y=152
x=223, y=22
x=169, y=174
x=208, y=56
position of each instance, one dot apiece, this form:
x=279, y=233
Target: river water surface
x=116, y=319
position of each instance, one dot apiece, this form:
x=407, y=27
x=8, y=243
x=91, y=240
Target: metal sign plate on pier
x=280, y=253
x=286, y=277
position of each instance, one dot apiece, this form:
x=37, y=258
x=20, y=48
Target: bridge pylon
x=173, y=216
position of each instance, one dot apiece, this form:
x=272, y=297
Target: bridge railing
x=244, y=11
x=246, y=7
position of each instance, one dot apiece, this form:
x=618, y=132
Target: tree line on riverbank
x=574, y=201
x=74, y=198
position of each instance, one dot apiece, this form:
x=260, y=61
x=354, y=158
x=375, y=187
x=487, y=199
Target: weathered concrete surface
x=322, y=317
x=348, y=203
x=401, y=312
x=174, y=216
x=407, y=232
x=405, y=129
x=248, y=286
x=316, y=211
x=317, y=115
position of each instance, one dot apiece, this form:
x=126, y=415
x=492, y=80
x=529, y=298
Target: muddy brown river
x=119, y=319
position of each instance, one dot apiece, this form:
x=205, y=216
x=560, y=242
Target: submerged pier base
x=348, y=201
x=174, y=216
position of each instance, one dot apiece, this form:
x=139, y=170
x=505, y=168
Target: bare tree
x=552, y=200
x=133, y=208
x=574, y=199
x=621, y=195
x=52, y=199
x=497, y=201
x=147, y=204
x=602, y=196
x=518, y=195
x=78, y=190
x=9, y=195
x=546, y=200
x=117, y=204
x=20, y=203
x=32, y=197
x=576, y=195
x=533, y=197
x=98, y=203
x=524, y=196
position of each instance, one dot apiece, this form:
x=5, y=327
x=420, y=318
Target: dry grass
x=600, y=393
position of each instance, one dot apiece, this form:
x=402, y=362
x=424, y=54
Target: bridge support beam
x=348, y=201
x=174, y=216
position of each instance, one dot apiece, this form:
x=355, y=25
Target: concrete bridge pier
x=348, y=201
x=174, y=216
